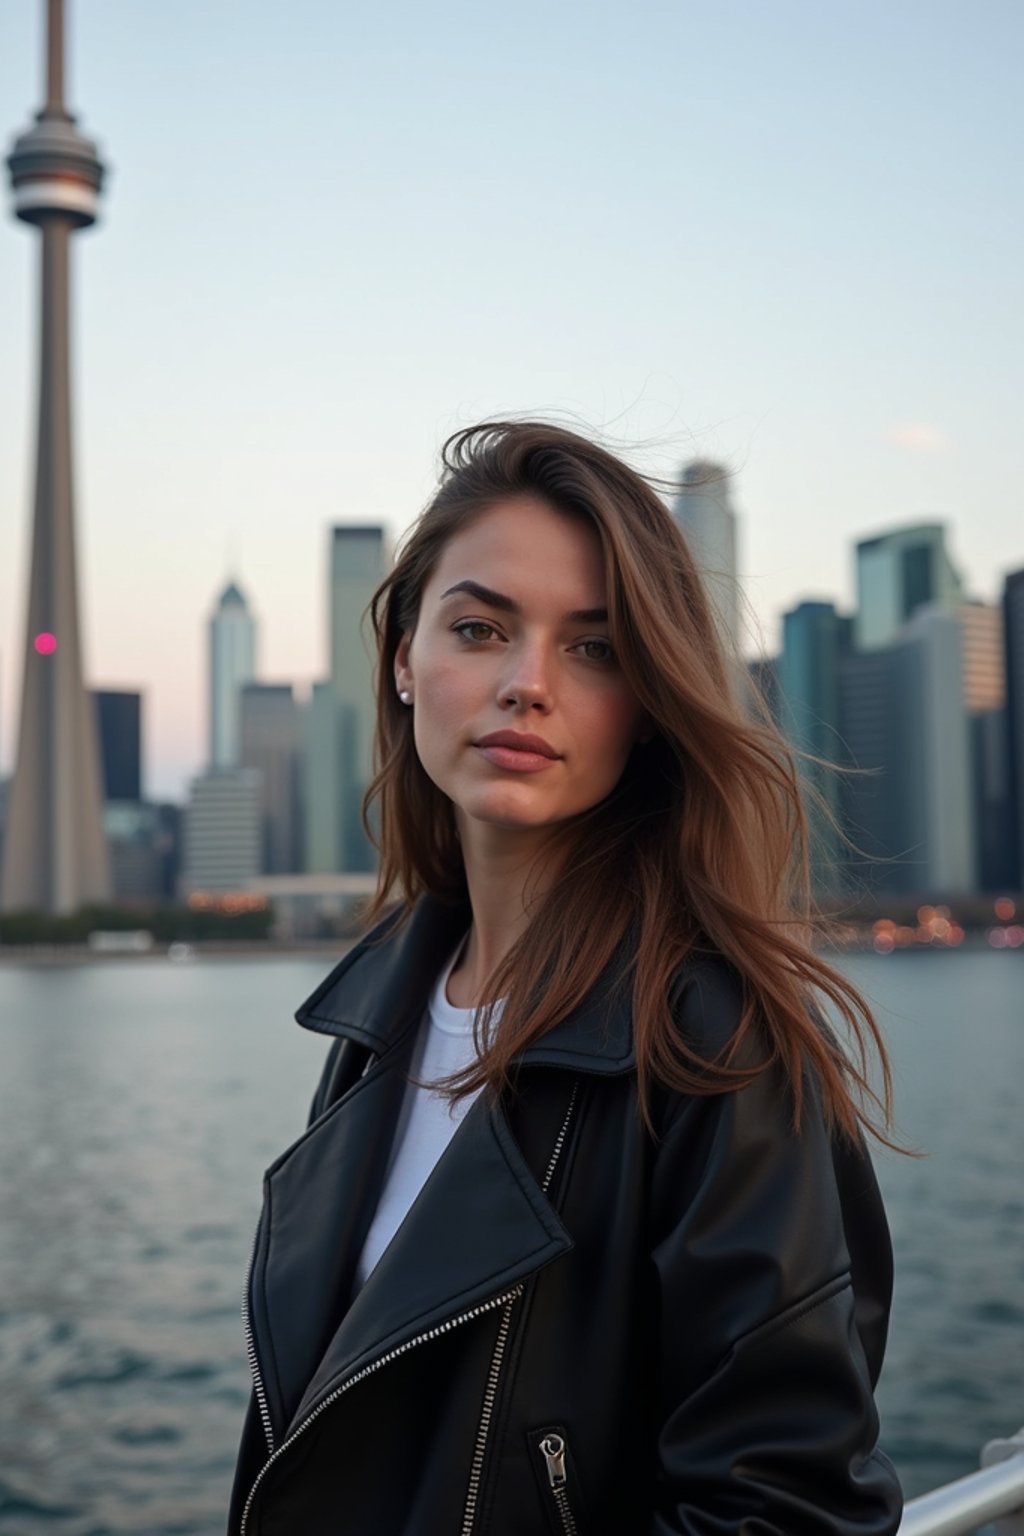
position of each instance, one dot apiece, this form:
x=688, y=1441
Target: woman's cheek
x=450, y=693
x=441, y=719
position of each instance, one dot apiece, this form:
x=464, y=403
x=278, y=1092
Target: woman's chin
x=509, y=808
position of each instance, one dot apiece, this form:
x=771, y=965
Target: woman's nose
x=526, y=682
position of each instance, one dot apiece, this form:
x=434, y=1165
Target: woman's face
x=513, y=637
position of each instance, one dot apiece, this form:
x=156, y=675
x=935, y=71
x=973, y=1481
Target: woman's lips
x=517, y=751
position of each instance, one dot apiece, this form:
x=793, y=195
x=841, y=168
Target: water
x=954, y=1372
x=140, y=1102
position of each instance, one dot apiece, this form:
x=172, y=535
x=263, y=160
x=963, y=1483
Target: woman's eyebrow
x=509, y=605
x=484, y=595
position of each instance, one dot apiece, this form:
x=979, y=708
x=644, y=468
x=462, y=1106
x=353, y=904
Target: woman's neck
x=506, y=875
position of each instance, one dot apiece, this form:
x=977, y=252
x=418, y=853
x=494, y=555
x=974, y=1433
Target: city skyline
x=833, y=313
x=846, y=610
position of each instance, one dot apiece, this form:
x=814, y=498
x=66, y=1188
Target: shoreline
x=37, y=955
x=234, y=949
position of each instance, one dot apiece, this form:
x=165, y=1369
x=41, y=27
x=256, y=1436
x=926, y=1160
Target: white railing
x=994, y=1493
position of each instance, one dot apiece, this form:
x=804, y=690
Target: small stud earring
x=406, y=698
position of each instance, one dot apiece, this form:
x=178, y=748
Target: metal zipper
x=560, y=1138
x=367, y=1370
x=505, y=1300
x=477, y=1468
x=493, y=1375
x=552, y=1448
x=250, y=1347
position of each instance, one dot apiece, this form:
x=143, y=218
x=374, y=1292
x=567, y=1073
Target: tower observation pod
x=55, y=854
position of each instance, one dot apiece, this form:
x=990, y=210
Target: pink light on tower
x=45, y=643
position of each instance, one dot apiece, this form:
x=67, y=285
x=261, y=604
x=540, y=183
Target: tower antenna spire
x=55, y=58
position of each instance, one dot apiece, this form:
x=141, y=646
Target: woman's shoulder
x=708, y=997
x=726, y=1063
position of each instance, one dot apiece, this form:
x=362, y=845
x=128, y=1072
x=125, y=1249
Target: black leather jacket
x=579, y=1327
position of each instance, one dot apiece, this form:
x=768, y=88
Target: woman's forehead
x=525, y=542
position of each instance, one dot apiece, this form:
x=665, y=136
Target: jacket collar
x=479, y=1227
x=380, y=988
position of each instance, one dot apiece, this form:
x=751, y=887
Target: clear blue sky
x=788, y=236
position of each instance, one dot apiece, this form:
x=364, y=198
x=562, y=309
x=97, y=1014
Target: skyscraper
x=984, y=665
x=119, y=715
x=271, y=743
x=874, y=813
x=814, y=639
x=55, y=853
x=222, y=833
x=358, y=564
x=981, y=626
x=763, y=673
x=897, y=573
x=232, y=664
x=936, y=752
x=704, y=512
x=320, y=782
x=908, y=808
x=135, y=838
x=1013, y=620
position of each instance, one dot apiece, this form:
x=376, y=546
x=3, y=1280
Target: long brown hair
x=702, y=845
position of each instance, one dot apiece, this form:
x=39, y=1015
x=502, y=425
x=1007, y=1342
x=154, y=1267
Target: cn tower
x=55, y=852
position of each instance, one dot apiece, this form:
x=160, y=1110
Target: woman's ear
x=403, y=670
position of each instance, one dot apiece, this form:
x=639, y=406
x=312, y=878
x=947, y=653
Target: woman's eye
x=470, y=629
x=597, y=650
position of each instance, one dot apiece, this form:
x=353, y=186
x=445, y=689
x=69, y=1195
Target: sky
x=785, y=237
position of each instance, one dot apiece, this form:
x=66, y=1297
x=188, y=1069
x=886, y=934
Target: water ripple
x=141, y=1110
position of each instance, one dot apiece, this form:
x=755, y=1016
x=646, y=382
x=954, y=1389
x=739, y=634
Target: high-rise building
x=1013, y=626
x=981, y=626
x=359, y=556
x=872, y=795
x=909, y=804
x=814, y=640
x=320, y=782
x=984, y=664
x=130, y=826
x=936, y=753
x=119, y=716
x=271, y=742
x=223, y=830
x=763, y=674
x=897, y=573
x=133, y=835
x=703, y=510
x=993, y=802
x=232, y=635
x=55, y=853
x=168, y=839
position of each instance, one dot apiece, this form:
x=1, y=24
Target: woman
x=582, y=1235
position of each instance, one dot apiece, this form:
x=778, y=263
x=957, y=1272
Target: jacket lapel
x=318, y=1201
x=479, y=1226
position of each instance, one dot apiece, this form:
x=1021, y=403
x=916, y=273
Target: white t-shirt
x=426, y=1123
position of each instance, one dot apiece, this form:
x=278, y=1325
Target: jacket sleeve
x=772, y=1267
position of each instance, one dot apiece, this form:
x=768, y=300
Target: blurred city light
x=230, y=902
x=935, y=927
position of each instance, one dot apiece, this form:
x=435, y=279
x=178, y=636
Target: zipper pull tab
x=553, y=1450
